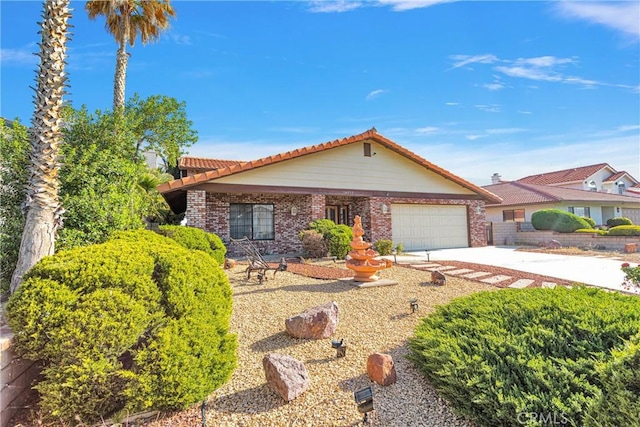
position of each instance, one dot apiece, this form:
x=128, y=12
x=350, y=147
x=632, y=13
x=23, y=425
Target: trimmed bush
x=557, y=220
x=495, y=355
x=625, y=230
x=322, y=226
x=591, y=221
x=383, y=246
x=339, y=239
x=136, y=323
x=619, y=403
x=620, y=220
x=313, y=244
x=195, y=238
x=591, y=231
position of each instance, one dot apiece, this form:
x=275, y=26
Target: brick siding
x=210, y=211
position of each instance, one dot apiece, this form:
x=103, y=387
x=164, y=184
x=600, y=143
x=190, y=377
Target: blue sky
x=475, y=87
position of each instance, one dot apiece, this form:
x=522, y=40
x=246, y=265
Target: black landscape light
x=364, y=400
x=341, y=348
x=414, y=305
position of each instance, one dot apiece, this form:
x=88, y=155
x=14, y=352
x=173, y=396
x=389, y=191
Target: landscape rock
x=285, y=375
x=381, y=369
x=438, y=278
x=554, y=244
x=315, y=323
x=630, y=248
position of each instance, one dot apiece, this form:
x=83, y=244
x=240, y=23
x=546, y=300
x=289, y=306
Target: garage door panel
x=420, y=227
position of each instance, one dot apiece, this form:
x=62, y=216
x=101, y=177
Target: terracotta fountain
x=362, y=258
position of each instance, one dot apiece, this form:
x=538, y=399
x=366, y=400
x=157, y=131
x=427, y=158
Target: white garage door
x=420, y=227
x=632, y=214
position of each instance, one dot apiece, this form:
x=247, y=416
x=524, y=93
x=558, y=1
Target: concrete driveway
x=601, y=272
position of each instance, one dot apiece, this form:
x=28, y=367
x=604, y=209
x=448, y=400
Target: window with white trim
x=580, y=211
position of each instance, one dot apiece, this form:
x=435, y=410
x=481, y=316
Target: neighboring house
x=399, y=196
x=601, y=177
x=520, y=200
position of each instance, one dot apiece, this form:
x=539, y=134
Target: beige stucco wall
x=347, y=168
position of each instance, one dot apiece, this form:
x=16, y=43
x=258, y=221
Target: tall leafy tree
x=125, y=20
x=44, y=211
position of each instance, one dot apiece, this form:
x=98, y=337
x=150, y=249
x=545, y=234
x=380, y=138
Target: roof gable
x=236, y=169
x=566, y=175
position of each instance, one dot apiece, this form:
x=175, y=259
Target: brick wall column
x=477, y=224
x=380, y=218
x=196, y=212
x=317, y=206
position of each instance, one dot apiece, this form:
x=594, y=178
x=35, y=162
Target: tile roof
x=619, y=175
x=566, y=175
x=518, y=193
x=372, y=134
x=201, y=163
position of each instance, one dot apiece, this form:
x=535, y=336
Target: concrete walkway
x=602, y=272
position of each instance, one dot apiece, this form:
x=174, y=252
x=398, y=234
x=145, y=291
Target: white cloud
x=620, y=16
x=463, y=60
x=524, y=112
x=180, y=38
x=402, y=5
x=474, y=137
x=18, y=57
x=533, y=73
x=451, y=104
x=493, y=86
x=427, y=130
x=544, y=61
x=334, y=6
x=375, y=93
x=491, y=108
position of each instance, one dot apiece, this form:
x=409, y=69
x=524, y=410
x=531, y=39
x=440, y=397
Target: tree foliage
x=14, y=157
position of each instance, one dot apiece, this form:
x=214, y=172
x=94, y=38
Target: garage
x=632, y=214
x=420, y=227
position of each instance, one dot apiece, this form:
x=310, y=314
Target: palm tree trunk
x=120, y=80
x=44, y=213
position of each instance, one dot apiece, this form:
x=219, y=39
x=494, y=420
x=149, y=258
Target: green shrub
x=631, y=276
x=625, y=230
x=136, y=323
x=619, y=403
x=195, y=238
x=383, y=246
x=313, y=244
x=322, y=226
x=591, y=221
x=591, y=231
x=339, y=239
x=557, y=220
x=495, y=355
x=620, y=220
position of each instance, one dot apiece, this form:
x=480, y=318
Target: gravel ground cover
x=370, y=320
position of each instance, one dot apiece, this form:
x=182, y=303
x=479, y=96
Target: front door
x=337, y=214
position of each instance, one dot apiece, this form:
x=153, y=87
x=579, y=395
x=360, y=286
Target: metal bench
x=256, y=261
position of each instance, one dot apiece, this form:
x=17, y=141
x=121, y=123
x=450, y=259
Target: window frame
x=515, y=215
x=586, y=210
x=237, y=227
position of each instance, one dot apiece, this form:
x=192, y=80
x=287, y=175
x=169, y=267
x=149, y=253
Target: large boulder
x=316, y=323
x=381, y=369
x=438, y=278
x=285, y=375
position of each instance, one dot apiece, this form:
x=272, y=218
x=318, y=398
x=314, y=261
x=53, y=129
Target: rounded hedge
x=620, y=220
x=591, y=221
x=339, y=239
x=195, y=238
x=136, y=323
x=557, y=220
x=498, y=355
x=625, y=230
x=383, y=246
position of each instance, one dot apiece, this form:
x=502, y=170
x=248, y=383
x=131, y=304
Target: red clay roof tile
x=566, y=175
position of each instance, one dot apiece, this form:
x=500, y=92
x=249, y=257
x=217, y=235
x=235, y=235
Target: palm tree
x=125, y=19
x=44, y=212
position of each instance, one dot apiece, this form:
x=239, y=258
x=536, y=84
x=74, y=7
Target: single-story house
x=600, y=177
x=398, y=194
x=520, y=200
